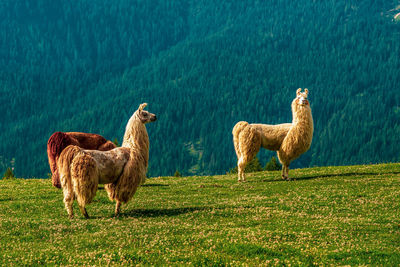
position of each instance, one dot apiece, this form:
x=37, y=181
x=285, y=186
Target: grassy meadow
x=326, y=216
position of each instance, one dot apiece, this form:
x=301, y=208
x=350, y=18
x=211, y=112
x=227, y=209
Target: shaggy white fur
x=290, y=140
x=122, y=169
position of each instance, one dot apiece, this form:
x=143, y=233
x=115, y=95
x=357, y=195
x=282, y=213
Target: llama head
x=301, y=98
x=145, y=116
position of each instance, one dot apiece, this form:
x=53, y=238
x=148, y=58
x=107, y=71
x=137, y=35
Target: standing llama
x=122, y=169
x=59, y=140
x=290, y=140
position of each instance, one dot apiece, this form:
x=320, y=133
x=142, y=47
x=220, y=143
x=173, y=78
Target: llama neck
x=302, y=118
x=136, y=138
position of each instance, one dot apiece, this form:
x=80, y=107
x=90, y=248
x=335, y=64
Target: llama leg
x=84, y=212
x=239, y=163
x=285, y=165
x=249, y=145
x=249, y=156
x=285, y=172
x=117, y=208
x=241, y=166
x=68, y=201
x=69, y=195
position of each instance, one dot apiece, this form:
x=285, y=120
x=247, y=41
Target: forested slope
x=202, y=66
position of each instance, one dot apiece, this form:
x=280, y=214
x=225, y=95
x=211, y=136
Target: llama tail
x=237, y=129
x=78, y=176
x=57, y=142
x=64, y=165
x=64, y=169
x=84, y=177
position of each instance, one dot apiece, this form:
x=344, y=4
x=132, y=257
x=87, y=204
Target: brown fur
x=122, y=169
x=58, y=141
x=290, y=140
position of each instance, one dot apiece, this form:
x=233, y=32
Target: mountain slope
x=203, y=66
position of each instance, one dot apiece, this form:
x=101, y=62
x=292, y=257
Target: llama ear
x=142, y=106
x=298, y=91
x=306, y=91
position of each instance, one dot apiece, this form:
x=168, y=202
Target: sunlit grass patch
x=328, y=215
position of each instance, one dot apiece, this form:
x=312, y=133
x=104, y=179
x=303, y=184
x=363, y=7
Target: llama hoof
x=285, y=178
x=84, y=213
x=117, y=213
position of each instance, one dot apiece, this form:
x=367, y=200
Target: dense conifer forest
x=202, y=66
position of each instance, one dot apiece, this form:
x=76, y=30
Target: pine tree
x=272, y=165
x=177, y=174
x=254, y=166
x=8, y=174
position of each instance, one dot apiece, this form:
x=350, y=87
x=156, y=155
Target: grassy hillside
x=332, y=215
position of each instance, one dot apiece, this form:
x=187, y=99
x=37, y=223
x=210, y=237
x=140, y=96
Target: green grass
x=329, y=216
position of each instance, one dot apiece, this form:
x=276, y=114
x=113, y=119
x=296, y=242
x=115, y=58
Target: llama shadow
x=343, y=175
x=311, y=177
x=151, y=185
x=146, y=213
x=151, y=213
x=101, y=187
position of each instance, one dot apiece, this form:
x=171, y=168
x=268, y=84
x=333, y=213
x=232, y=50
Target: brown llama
x=290, y=140
x=59, y=140
x=122, y=169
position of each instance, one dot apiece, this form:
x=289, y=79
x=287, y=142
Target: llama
x=121, y=169
x=290, y=140
x=59, y=140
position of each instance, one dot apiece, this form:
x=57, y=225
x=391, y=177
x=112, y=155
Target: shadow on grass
x=151, y=185
x=145, y=213
x=348, y=174
x=150, y=213
x=101, y=187
x=343, y=175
